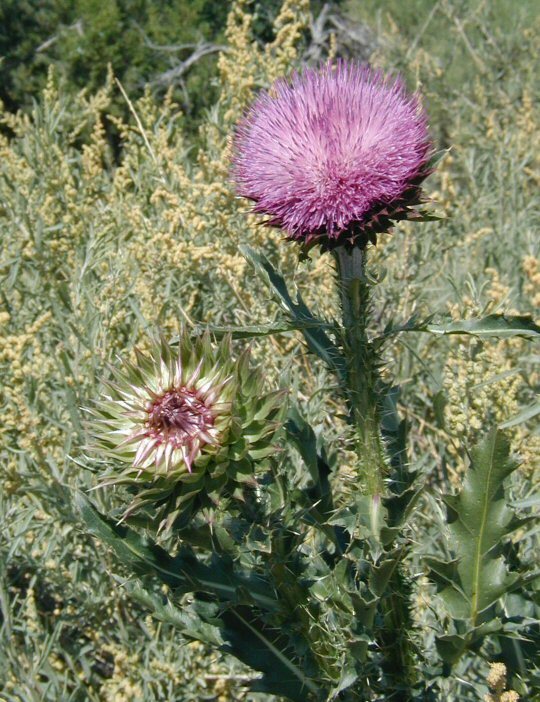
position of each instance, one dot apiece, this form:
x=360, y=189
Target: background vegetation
x=143, y=41
x=104, y=239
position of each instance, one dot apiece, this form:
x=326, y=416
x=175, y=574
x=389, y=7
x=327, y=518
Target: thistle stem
x=363, y=394
x=362, y=369
x=393, y=638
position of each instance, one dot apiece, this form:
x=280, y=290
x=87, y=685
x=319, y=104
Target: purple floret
x=332, y=152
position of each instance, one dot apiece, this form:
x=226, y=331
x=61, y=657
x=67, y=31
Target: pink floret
x=322, y=152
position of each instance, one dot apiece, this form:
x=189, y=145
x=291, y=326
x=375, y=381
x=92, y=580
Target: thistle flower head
x=332, y=156
x=184, y=420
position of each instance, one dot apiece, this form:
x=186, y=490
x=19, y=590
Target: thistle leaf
x=404, y=484
x=348, y=677
x=479, y=519
x=184, y=572
x=252, y=331
x=270, y=651
x=312, y=328
x=302, y=436
x=185, y=621
x=499, y=326
x=238, y=631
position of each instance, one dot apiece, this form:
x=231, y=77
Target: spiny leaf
x=493, y=325
x=183, y=573
x=380, y=575
x=239, y=631
x=497, y=325
x=404, y=490
x=270, y=651
x=321, y=507
x=348, y=677
x=479, y=519
x=253, y=331
x=452, y=646
x=312, y=328
x=187, y=622
x=303, y=437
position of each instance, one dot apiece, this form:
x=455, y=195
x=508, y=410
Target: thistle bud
x=184, y=423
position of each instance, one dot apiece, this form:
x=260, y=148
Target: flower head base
x=334, y=155
x=184, y=421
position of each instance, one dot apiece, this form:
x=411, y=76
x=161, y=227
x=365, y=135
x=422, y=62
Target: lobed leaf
x=239, y=631
x=184, y=572
x=479, y=520
x=269, y=650
x=321, y=508
x=187, y=622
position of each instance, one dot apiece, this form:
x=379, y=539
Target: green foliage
x=312, y=329
x=494, y=326
x=232, y=621
x=94, y=256
x=24, y=26
x=83, y=38
x=183, y=573
x=454, y=36
x=141, y=40
x=478, y=576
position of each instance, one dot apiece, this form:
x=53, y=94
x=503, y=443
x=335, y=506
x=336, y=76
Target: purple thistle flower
x=333, y=155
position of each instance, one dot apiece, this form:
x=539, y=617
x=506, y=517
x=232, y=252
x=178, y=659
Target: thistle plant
x=312, y=590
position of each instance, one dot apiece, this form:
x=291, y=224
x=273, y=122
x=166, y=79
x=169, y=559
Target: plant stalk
x=364, y=398
x=362, y=368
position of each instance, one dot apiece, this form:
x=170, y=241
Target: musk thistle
x=333, y=155
x=184, y=424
